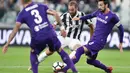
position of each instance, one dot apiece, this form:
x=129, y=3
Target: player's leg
x=34, y=61
x=33, y=58
x=66, y=60
x=92, y=61
x=73, y=46
x=56, y=45
x=80, y=51
x=36, y=49
x=93, y=49
x=44, y=55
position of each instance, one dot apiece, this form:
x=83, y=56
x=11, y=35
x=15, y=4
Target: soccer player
x=43, y=34
x=106, y=20
x=73, y=30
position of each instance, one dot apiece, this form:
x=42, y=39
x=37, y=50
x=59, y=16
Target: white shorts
x=68, y=42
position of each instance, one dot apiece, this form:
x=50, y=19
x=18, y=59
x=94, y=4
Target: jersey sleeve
x=120, y=27
x=45, y=6
x=116, y=20
x=89, y=16
x=94, y=14
x=88, y=21
x=20, y=18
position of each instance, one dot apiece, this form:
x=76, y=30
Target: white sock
x=72, y=54
x=42, y=56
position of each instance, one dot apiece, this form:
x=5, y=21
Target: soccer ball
x=58, y=66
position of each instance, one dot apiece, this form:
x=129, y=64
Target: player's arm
x=62, y=33
x=90, y=25
x=91, y=29
x=55, y=22
x=121, y=29
x=11, y=36
x=57, y=17
x=88, y=16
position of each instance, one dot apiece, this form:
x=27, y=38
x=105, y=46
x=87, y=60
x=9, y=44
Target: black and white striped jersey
x=73, y=28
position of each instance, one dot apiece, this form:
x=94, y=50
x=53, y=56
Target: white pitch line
x=51, y=66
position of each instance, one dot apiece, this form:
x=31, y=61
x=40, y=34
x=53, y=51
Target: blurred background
x=9, y=9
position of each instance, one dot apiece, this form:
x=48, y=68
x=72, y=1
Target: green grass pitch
x=16, y=60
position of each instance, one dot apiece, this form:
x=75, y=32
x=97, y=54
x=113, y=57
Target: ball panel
x=57, y=66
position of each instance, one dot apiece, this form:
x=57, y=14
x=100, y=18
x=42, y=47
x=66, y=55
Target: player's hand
x=120, y=47
x=54, y=26
x=63, y=33
x=5, y=48
x=76, y=18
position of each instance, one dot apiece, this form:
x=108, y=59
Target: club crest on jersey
x=106, y=17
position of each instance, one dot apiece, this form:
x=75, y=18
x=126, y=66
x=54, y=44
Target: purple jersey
x=35, y=16
x=104, y=24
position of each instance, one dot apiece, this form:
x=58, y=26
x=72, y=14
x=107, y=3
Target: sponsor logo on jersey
x=101, y=20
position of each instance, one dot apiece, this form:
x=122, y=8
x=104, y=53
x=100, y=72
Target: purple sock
x=67, y=60
x=78, y=54
x=96, y=63
x=34, y=62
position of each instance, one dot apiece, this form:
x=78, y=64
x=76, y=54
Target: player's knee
x=90, y=61
x=32, y=50
x=48, y=52
x=74, y=44
x=85, y=49
x=75, y=60
x=75, y=47
x=60, y=49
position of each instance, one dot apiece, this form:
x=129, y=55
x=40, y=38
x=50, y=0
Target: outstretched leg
x=96, y=63
x=74, y=45
x=77, y=56
x=92, y=61
x=67, y=60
